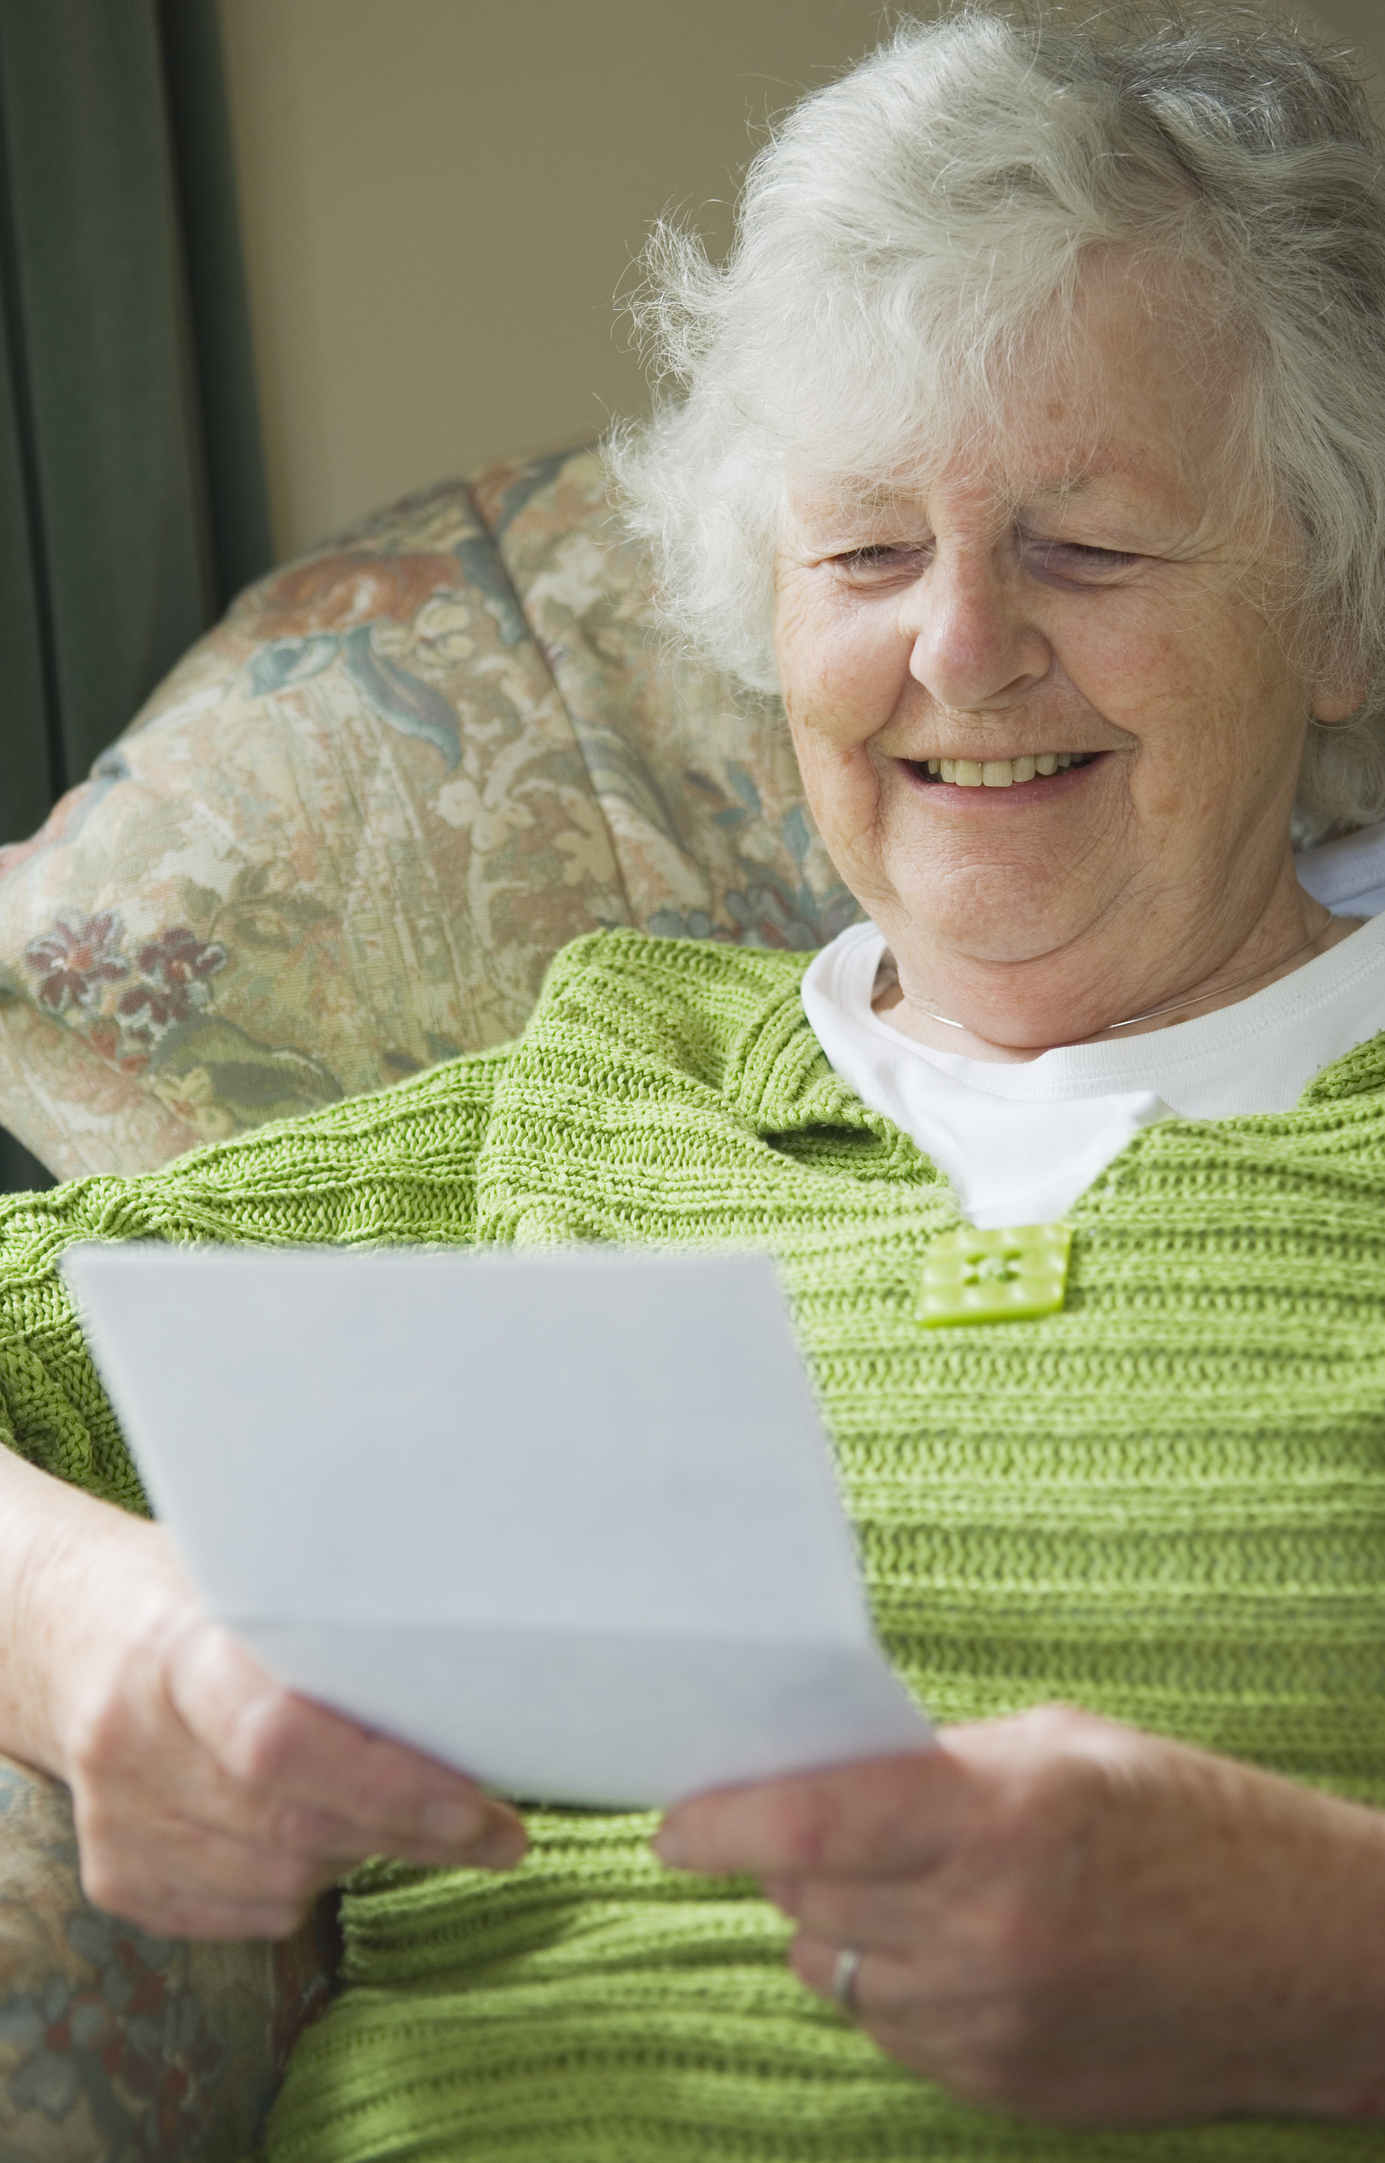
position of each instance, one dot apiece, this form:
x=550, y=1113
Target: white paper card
x=567, y=1520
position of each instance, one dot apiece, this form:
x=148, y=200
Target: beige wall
x=1360, y=22
x=440, y=198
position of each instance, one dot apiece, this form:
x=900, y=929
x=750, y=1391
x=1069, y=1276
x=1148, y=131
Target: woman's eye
x=1073, y=560
x=880, y=556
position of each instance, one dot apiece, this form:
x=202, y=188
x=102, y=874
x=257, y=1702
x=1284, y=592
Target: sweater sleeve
x=395, y=1168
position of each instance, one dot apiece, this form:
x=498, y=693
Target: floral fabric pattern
x=341, y=842
x=344, y=838
x=118, y=2047
x=695, y=777
x=76, y=959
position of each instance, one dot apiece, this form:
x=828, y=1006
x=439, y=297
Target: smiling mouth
x=999, y=773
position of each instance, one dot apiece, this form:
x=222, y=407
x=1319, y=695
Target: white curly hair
x=910, y=229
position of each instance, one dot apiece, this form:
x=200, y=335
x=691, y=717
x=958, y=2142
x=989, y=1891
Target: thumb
x=878, y=1817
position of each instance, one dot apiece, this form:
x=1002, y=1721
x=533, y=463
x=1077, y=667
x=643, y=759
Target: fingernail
x=504, y=1846
x=449, y=1821
x=670, y=1847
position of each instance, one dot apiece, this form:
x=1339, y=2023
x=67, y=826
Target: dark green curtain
x=132, y=500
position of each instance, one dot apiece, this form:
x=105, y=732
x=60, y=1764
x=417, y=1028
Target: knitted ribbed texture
x=1165, y=1503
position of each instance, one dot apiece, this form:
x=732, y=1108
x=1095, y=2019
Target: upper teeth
x=1001, y=773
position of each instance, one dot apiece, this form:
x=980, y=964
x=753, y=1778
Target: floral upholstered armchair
x=341, y=842
x=346, y=835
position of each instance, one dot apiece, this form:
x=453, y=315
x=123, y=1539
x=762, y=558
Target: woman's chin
x=960, y=872
x=983, y=919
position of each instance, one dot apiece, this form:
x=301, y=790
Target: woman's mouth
x=1000, y=773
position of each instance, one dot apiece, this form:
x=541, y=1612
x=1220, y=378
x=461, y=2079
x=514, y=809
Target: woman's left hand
x=1070, y=1920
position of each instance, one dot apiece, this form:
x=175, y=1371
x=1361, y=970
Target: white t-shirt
x=1020, y=1142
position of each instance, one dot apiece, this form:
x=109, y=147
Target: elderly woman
x=1033, y=448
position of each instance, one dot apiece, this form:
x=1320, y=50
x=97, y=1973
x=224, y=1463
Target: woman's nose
x=973, y=646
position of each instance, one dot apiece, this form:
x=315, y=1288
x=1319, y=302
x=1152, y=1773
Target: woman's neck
x=1318, y=931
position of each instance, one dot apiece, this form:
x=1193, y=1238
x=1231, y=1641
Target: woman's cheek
x=840, y=670
x=845, y=701
x=843, y=791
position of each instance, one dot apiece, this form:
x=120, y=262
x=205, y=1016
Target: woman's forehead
x=1128, y=388
x=1008, y=477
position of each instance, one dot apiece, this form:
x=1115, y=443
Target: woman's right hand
x=210, y=1801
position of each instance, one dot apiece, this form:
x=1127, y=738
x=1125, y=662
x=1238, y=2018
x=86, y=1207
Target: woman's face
x=1074, y=592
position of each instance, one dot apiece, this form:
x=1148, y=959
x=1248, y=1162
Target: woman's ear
x=1338, y=696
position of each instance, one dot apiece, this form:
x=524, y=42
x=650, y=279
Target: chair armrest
x=120, y=2045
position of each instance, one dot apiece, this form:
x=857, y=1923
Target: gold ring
x=844, y=1974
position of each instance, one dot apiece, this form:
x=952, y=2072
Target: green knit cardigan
x=1165, y=1503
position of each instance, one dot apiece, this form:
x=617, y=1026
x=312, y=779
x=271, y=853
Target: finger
x=180, y=1854
x=884, y=1913
x=222, y=1805
x=181, y=1911
x=882, y=1984
x=127, y=1861
x=208, y=1921
x=502, y=1843
x=886, y=1816
x=181, y=1877
x=277, y=1743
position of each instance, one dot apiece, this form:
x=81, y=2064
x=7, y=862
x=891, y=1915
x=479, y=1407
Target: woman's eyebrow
x=1105, y=496
x=1056, y=491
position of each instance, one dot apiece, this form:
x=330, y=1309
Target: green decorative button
x=999, y=1276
